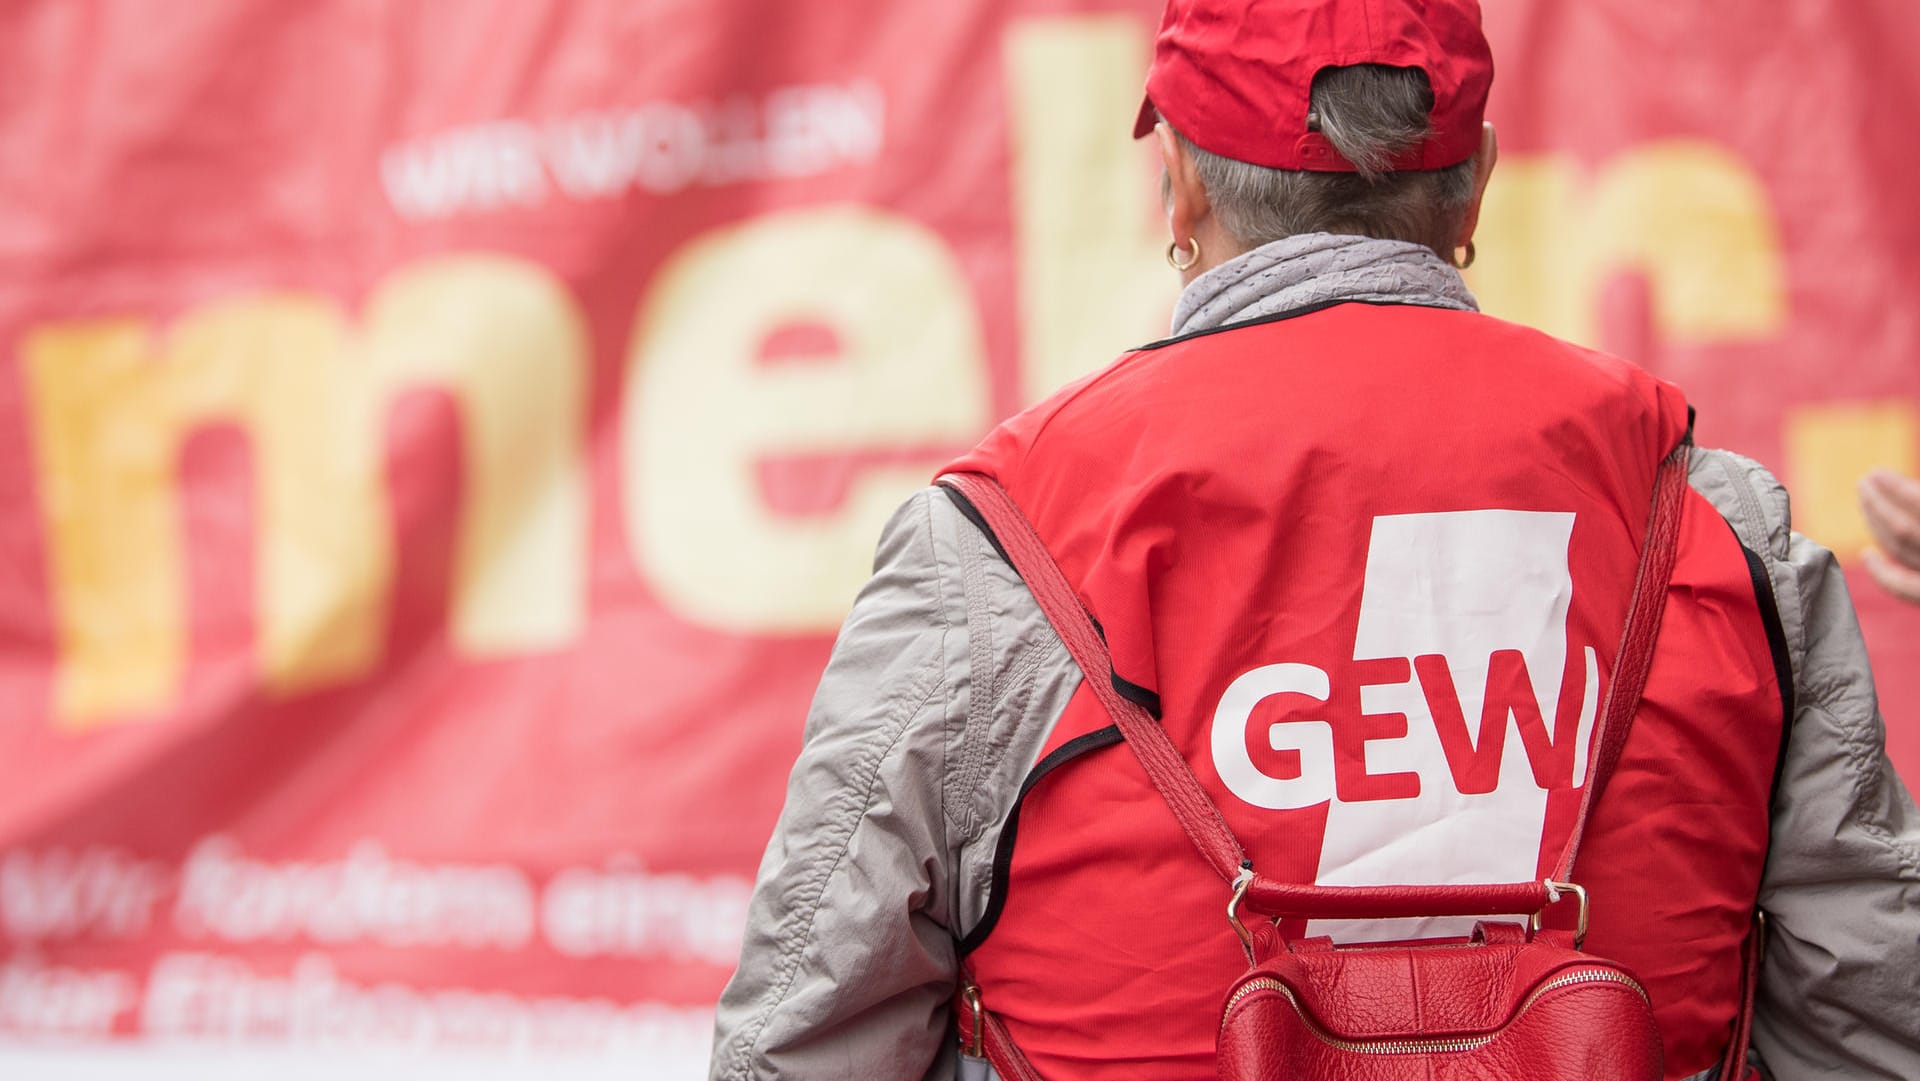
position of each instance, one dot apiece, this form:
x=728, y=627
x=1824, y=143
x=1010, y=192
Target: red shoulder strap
x=1634, y=659
x=1195, y=810
x=1169, y=772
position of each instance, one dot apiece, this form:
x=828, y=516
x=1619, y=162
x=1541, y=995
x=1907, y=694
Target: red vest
x=1370, y=564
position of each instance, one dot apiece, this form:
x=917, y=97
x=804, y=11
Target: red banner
x=440, y=442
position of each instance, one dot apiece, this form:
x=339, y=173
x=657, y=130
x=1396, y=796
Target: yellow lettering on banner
x=1691, y=216
x=1092, y=278
x=702, y=411
x=111, y=412
x=107, y=490
x=1829, y=447
x=1688, y=214
x=272, y=366
x=509, y=342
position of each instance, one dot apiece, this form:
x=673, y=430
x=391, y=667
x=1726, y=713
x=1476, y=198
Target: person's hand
x=1892, y=506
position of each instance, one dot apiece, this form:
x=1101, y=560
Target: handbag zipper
x=1423, y=1047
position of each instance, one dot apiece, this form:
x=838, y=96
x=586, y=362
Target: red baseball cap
x=1235, y=76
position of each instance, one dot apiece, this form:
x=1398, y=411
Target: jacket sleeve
x=1840, y=987
x=1839, y=992
x=848, y=961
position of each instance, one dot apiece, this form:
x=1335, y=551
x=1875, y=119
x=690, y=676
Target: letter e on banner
x=897, y=330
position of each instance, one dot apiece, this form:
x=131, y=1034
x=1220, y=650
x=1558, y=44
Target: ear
x=1483, y=162
x=1188, y=211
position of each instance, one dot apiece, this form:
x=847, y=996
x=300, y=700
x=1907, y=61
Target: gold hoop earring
x=1466, y=262
x=1177, y=263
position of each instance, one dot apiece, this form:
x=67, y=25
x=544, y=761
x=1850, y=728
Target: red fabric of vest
x=1371, y=563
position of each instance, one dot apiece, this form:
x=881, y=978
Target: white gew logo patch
x=1460, y=710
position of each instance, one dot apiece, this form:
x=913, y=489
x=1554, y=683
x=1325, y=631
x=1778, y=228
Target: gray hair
x=1370, y=113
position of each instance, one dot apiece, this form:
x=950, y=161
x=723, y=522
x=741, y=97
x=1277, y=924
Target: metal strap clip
x=1554, y=890
x=979, y=1046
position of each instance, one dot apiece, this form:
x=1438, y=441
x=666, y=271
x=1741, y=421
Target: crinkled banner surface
x=439, y=442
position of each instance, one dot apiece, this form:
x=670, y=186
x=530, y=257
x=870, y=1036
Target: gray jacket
x=946, y=682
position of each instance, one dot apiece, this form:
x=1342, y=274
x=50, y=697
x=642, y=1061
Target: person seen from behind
x=1365, y=554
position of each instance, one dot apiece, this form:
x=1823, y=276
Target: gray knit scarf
x=1314, y=268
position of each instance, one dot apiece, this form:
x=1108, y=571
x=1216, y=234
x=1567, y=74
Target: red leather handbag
x=1514, y=1001
x=1510, y=1005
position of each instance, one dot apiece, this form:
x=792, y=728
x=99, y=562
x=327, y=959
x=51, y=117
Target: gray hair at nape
x=1370, y=113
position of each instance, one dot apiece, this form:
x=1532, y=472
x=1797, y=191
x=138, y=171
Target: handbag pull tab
x=1240, y=883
